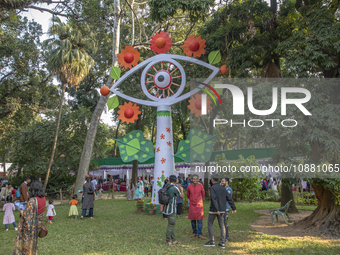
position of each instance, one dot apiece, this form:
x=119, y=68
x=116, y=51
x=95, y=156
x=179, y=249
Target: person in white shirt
x=94, y=182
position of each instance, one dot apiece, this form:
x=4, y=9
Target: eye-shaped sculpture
x=163, y=81
x=165, y=85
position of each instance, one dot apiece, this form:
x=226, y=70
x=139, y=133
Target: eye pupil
x=160, y=78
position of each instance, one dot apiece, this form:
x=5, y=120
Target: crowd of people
x=269, y=184
x=220, y=204
x=31, y=204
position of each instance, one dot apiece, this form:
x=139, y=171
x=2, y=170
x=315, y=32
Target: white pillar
x=164, y=152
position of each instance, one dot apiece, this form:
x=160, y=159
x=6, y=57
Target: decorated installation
x=162, y=80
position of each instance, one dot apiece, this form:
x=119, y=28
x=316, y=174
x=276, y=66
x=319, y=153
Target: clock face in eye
x=162, y=80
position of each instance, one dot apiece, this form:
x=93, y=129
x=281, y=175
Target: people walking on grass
x=130, y=191
x=118, y=184
x=94, y=182
x=166, y=181
x=179, y=200
x=24, y=190
x=171, y=210
x=146, y=184
x=219, y=197
x=225, y=184
x=195, y=193
x=26, y=242
x=50, y=211
x=88, y=200
x=139, y=189
x=73, y=207
x=8, y=208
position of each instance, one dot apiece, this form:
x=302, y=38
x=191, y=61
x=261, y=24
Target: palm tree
x=70, y=61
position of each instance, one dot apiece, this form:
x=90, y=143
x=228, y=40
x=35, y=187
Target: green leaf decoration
x=197, y=147
x=112, y=102
x=214, y=57
x=115, y=73
x=159, y=184
x=134, y=146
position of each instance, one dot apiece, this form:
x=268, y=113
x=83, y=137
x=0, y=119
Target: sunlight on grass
x=118, y=228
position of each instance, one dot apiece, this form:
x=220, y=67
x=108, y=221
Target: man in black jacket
x=219, y=196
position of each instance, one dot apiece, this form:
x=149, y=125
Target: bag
x=163, y=196
x=90, y=191
x=43, y=231
x=17, y=194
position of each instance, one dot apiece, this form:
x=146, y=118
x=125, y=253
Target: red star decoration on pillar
x=163, y=160
x=168, y=130
x=162, y=136
x=158, y=149
x=168, y=143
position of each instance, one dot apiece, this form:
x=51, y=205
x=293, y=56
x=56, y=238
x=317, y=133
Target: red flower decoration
x=168, y=130
x=163, y=160
x=194, y=46
x=195, y=104
x=168, y=143
x=162, y=136
x=167, y=177
x=158, y=149
x=128, y=57
x=160, y=43
x=158, y=178
x=162, y=172
x=128, y=112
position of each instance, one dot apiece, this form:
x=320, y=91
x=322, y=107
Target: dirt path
x=264, y=225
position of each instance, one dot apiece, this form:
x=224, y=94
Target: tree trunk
x=92, y=131
x=4, y=163
x=135, y=162
x=210, y=131
x=326, y=217
x=56, y=134
x=287, y=194
x=115, y=147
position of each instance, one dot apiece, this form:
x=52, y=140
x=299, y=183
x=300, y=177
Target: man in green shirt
x=171, y=210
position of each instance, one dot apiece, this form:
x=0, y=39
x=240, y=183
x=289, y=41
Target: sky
x=44, y=18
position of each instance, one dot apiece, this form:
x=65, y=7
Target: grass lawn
x=118, y=228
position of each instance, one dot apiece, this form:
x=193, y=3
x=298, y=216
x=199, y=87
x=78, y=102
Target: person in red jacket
x=195, y=193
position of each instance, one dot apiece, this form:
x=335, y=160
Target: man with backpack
x=168, y=197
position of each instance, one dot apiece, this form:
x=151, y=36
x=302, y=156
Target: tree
x=32, y=147
x=91, y=133
x=70, y=61
x=26, y=87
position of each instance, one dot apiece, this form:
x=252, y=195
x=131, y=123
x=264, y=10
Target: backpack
x=163, y=196
x=90, y=190
x=17, y=194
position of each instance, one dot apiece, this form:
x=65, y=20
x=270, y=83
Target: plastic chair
x=283, y=211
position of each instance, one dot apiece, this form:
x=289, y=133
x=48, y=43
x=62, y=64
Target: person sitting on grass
x=171, y=210
x=73, y=207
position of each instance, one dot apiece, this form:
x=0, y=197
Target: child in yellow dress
x=73, y=207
